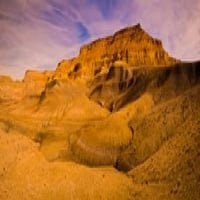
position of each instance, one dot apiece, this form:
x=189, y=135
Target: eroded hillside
x=119, y=121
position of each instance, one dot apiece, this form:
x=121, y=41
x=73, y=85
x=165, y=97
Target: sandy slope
x=25, y=174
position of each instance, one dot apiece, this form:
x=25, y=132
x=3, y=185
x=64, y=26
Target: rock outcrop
x=124, y=84
x=35, y=81
x=131, y=45
x=10, y=91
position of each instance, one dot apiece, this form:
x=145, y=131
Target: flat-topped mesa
x=31, y=76
x=10, y=90
x=131, y=45
x=35, y=81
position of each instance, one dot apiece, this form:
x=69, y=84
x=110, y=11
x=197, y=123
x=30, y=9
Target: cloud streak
x=38, y=34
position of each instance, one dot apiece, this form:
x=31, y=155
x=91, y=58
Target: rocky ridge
x=131, y=45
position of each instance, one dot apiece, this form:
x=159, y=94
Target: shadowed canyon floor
x=119, y=121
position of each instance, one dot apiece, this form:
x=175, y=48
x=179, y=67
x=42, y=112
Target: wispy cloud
x=176, y=23
x=38, y=34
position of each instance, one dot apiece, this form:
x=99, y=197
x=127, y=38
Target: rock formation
x=131, y=45
x=119, y=121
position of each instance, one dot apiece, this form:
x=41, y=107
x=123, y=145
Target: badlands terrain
x=121, y=121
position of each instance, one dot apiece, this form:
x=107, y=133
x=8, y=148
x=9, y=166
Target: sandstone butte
x=131, y=45
x=119, y=121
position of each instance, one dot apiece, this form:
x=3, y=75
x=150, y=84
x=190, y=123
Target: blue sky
x=37, y=34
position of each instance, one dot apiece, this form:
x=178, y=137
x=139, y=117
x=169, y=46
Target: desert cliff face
x=10, y=90
x=120, y=121
x=34, y=82
x=131, y=45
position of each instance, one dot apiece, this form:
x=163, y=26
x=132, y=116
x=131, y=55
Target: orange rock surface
x=131, y=45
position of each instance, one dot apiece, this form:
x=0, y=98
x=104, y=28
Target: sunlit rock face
x=131, y=45
x=35, y=81
x=10, y=90
x=120, y=121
